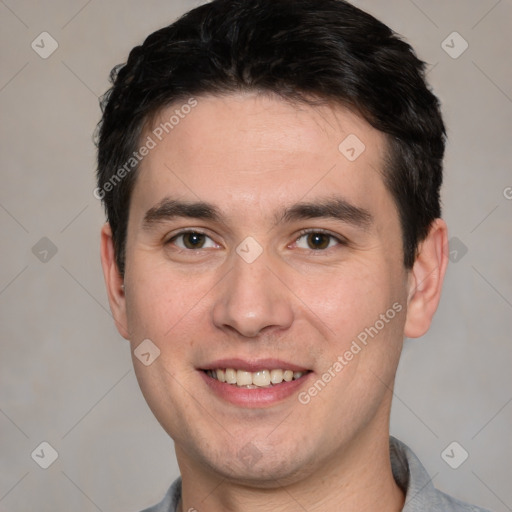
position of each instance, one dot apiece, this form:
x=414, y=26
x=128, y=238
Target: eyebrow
x=335, y=208
x=169, y=209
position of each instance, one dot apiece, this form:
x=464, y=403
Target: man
x=271, y=171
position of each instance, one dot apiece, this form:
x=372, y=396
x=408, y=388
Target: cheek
x=165, y=306
x=350, y=299
x=150, y=309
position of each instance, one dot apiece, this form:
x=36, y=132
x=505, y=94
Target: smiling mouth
x=254, y=380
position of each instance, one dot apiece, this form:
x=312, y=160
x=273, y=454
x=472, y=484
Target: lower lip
x=256, y=397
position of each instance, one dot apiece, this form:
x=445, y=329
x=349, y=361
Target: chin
x=267, y=468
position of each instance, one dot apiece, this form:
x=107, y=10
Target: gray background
x=66, y=374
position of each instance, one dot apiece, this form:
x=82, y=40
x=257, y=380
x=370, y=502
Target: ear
x=113, y=281
x=426, y=280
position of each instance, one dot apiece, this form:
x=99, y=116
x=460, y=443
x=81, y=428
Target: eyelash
x=341, y=240
x=186, y=232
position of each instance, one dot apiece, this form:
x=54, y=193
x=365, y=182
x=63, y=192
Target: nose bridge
x=251, y=297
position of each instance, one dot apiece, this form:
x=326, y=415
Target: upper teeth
x=260, y=378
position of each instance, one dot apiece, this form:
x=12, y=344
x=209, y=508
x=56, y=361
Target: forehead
x=253, y=151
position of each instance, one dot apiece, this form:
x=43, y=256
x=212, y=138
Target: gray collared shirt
x=409, y=474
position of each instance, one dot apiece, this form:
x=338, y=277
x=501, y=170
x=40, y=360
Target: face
x=258, y=246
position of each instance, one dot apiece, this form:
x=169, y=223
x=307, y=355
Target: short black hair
x=325, y=51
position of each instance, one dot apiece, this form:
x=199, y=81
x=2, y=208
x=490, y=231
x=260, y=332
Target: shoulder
x=170, y=501
x=451, y=504
x=420, y=493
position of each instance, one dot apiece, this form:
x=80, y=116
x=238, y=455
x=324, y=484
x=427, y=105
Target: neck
x=357, y=477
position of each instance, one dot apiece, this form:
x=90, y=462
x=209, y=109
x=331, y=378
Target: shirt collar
x=411, y=477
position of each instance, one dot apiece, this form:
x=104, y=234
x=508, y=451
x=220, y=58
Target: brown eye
x=193, y=240
x=318, y=241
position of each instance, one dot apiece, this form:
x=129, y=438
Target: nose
x=251, y=299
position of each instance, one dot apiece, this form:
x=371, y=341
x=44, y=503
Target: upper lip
x=253, y=365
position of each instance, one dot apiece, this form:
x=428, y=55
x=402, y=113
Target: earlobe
x=426, y=280
x=113, y=281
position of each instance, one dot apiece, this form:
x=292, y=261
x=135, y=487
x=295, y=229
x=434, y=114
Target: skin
x=251, y=155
